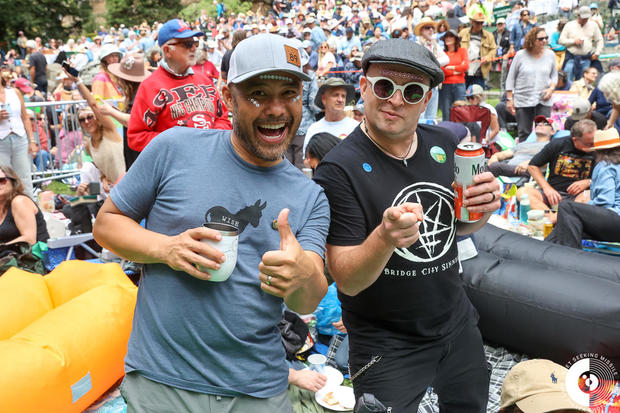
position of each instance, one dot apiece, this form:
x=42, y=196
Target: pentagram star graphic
x=436, y=229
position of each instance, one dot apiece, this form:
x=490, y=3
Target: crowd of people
x=186, y=124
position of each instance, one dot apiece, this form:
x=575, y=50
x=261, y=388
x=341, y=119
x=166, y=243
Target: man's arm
x=552, y=195
x=119, y=233
x=355, y=268
x=500, y=156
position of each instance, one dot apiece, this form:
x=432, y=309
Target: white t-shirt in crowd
x=340, y=129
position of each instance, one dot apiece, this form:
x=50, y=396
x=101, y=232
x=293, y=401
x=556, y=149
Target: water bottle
x=524, y=208
x=499, y=50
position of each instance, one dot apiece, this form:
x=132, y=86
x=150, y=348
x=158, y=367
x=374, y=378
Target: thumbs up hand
x=283, y=271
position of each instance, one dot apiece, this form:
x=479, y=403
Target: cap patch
x=292, y=55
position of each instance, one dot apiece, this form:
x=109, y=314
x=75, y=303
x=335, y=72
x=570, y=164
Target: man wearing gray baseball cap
x=204, y=346
x=391, y=244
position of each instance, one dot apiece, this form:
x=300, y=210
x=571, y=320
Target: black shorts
x=457, y=370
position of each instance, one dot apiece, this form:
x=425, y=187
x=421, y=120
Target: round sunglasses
x=384, y=88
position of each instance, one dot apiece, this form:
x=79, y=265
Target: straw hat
x=606, y=139
x=131, y=68
x=424, y=22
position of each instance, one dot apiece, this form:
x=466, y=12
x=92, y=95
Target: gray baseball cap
x=265, y=53
x=407, y=53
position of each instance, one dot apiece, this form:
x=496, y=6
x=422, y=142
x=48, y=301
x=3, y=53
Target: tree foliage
x=45, y=18
x=131, y=12
x=192, y=11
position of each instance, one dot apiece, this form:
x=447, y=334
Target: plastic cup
x=317, y=362
x=227, y=245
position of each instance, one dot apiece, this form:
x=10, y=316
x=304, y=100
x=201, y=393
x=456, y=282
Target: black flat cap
x=404, y=52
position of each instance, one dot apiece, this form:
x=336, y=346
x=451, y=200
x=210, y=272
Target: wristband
x=79, y=82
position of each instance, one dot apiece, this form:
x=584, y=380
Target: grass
x=59, y=187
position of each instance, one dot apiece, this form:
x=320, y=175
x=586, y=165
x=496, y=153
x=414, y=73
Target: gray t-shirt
x=525, y=151
x=528, y=77
x=217, y=338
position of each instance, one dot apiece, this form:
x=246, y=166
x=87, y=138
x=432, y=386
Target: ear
x=363, y=85
x=227, y=96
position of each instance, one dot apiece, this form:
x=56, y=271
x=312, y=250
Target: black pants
x=525, y=119
x=577, y=221
x=501, y=168
x=457, y=370
x=503, y=116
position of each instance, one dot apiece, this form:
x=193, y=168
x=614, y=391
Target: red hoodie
x=164, y=100
x=460, y=61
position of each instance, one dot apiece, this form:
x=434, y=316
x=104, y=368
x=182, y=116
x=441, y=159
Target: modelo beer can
x=469, y=160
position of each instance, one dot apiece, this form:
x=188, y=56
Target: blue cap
x=594, y=5
x=176, y=29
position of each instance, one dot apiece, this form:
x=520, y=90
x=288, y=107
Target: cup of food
x=227, y=245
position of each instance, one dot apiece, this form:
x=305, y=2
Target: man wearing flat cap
x=391, y=246
x=332, y=97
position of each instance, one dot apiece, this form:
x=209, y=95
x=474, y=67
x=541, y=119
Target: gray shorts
x=146, y=396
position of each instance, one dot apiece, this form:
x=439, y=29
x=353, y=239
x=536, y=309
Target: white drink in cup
x=317, y=362
x=227, y=245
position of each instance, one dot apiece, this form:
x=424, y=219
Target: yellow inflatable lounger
x=63, y=336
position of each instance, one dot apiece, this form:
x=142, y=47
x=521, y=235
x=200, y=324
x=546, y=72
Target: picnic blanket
x=499, y=361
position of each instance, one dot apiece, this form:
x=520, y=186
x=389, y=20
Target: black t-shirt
x=40, y=64
x=419, y=297
x=224, y=66
x=598, y=118
x=566, y=163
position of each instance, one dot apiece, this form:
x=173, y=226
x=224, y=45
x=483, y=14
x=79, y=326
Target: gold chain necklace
x=400, y=158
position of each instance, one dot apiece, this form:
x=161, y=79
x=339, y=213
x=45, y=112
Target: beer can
x=469, y=160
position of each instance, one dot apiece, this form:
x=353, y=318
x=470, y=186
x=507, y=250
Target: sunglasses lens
x=414, y=93
x=383, y=88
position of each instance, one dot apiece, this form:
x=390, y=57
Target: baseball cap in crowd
x=349, y=30
x=584, y=12
x=474, y=90
x=31, y=44
x=581, y=107
x=306, y=43
x=501, y=20
x=536, y=386
x=407, y=53
x=176, y=29
x=23, y=85
x=593, y=6
x=542, y=118
x=278, y=54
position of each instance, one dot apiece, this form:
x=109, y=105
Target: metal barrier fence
x=58, y=119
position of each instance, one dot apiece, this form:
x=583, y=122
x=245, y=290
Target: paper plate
x=334, y=377
x=343, y=394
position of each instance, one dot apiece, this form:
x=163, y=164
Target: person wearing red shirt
x=174, y=95
x=453, y=88
x=204, y=66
